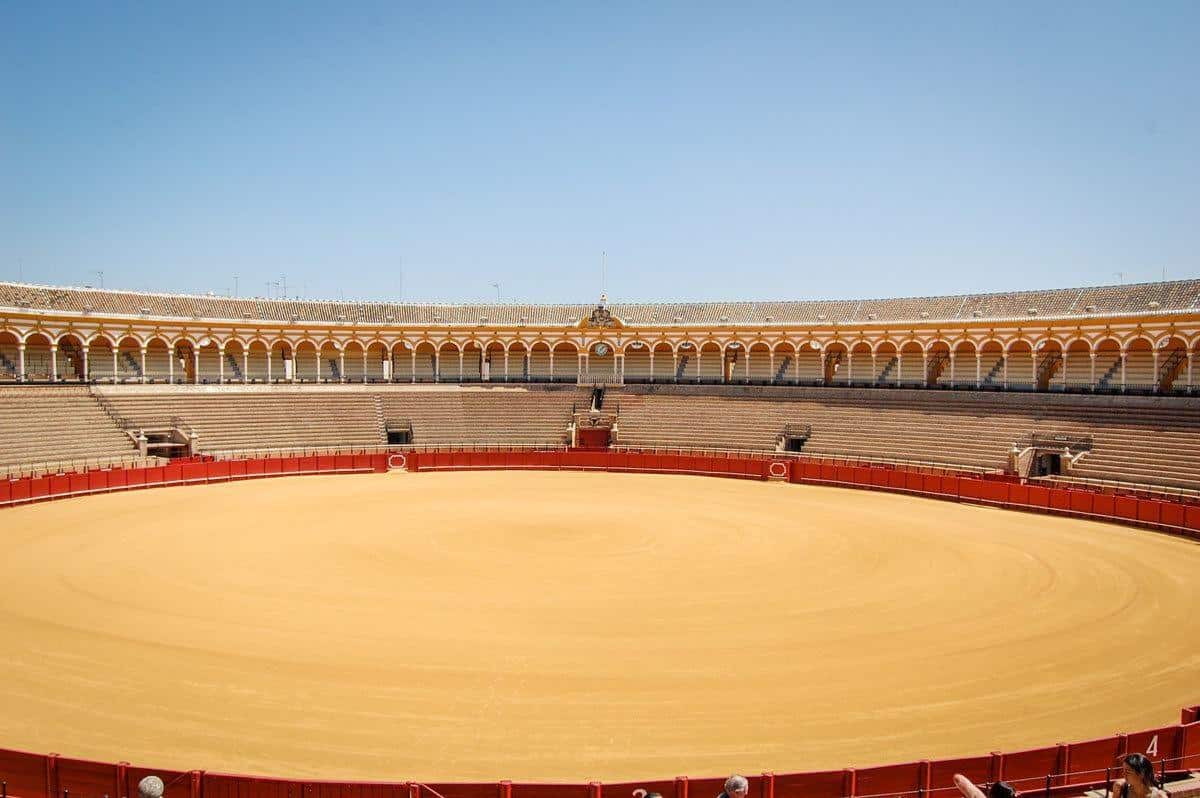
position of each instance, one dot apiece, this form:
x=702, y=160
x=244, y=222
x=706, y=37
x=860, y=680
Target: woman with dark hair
x=1138, y=779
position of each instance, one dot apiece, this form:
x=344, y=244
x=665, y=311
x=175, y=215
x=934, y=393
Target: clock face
x=601, y=349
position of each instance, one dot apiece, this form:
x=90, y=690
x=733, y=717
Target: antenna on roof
x=603, y=272
x=283, y=278
x=497, y=287
x=235, y=285
x=99, y=273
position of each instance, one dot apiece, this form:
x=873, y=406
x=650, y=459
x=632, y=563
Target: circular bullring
x=560, y=625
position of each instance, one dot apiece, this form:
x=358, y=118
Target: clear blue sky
x=719, y=150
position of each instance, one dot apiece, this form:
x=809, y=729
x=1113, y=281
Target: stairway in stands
x=234, y=368
x=994, y=374
x=1103, y=383
x=681, y=367
x=781, y=372
x=886, y=375
x=131, y=364
x=379, y=419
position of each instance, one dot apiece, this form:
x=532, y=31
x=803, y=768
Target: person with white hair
x=735, y=787
x=150, y=787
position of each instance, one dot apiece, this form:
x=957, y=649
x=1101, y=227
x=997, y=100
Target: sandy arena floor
x=566, y=626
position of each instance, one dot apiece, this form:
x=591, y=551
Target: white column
x=771, y=360
x=578, y=365
x=317, y=359
x=874, y=368
x=1092, y=355
x=1154, y=355
x=84, y=351
x=652, y=365
x=1063, y=376
x=978, y=370
x=114, y=353
x=924, y=368
x=1123, y=359
x=460, y=365
x=899, y=365
x=747, y=351
x=796, y=365
x=196, y=365
x=413, y=355
x=1034, y=377
x=952, y=359
x=364, y=376
x=220, y=365
x=268, y=365
x=621, y=368
x=143, y=365
x=674, y=366
x=506, y=365
x=437, y=367
x=1004, y=359
x=1189, y=377
x=171, y=365
x=53, y=362
x=341, y=365
x=697, y=366
x=849, y=368
x=21, y=362
x=245, y=366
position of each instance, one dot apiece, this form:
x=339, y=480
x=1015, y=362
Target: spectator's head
x=737, y=786
x=150, y=787
x=641, y=792
x=1001, y=789
x=1139, y=771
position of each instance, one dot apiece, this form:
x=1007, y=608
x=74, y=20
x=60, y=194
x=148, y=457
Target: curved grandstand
x=1085, y=383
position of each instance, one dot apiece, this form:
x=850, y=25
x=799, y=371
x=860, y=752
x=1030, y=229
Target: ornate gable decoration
x=601, y=319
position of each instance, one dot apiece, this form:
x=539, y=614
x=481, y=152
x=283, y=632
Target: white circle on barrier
x=782, y=472
x=394, y=465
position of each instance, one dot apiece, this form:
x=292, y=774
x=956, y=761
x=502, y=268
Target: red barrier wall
x=190, y=472
x=1176, y=517
x=1177, y=748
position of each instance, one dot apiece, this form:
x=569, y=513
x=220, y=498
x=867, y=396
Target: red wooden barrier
x=1156, y=744
x=889, y=780
x=194, y=472
x=821, y=784
x=1149, y=510
x=1172, y=514
x=59, y=484
x=119, y=477
x=97, y=481
x=1126, y=507
x=1027, y=770
x=1087, y=760
x=39, y=487
x=1060, y=499
x=941, y=772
